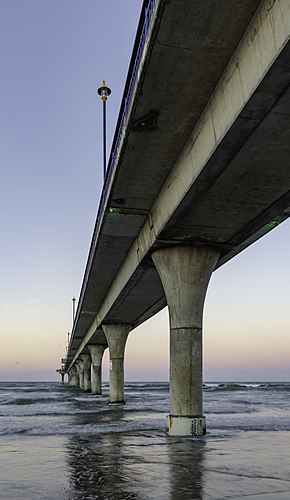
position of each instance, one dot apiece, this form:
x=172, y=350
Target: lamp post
x=104, y=92
x=73, y=308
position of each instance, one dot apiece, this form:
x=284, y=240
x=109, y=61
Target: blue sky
x=54, y=54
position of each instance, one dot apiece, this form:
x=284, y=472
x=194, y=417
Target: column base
x=186, y=426
x=116, y=403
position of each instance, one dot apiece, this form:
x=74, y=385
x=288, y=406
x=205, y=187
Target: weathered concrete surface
x=80, y=368
x=86, y=359
x=73, y=376
x=185, y=273
x=116, y=335
x=213, y=169
x=96, y=352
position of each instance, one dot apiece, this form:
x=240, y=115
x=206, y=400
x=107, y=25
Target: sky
x=54, y=55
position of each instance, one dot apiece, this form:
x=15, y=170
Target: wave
x=97, y=428
x=146, y=386
x=237, y=386
x=29, y=401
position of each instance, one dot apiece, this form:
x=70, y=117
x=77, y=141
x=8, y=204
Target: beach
x=57, y=442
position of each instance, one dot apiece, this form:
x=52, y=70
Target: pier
x=198, y=171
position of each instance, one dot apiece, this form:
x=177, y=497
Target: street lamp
x=104, y=92
x=73, y=308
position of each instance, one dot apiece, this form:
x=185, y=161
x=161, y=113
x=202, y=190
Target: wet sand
x=117, y=466
x=58, y=443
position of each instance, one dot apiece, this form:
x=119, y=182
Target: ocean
x=57, y=442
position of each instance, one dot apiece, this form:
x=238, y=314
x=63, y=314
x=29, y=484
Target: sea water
x=57, y=442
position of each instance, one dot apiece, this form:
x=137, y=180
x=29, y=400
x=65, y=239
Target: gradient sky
x=54, y=54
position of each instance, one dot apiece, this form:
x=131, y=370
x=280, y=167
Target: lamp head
x=104, y=91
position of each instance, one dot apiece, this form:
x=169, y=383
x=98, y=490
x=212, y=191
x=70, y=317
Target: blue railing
x=142, y=32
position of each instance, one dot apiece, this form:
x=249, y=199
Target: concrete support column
x=70, y=377
x=80, y=368
x=116, y=335
x=185, y=272
x=86, y=358
x=73, y=376
x=96, y=352
x=77, y=377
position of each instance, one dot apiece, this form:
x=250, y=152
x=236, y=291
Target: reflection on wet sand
x=186, y=456
x=116, y=466
x=97, y=464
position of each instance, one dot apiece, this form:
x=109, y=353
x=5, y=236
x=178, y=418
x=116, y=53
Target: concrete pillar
x=86, y=358
x=73, y=376
x=185, y=272
x=77, y=377
x=80, y=368
x=116, y=335
x=96, y=352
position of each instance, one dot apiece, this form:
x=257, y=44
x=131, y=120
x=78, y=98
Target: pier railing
x=149, y=6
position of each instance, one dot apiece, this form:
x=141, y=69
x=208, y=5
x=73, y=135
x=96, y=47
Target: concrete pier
x=185, y=273
x=96, y=352
x=86, y=358
x=73, y=376
x=116, y=335
x=211, y=168
x=80, y=369
x=77, y=378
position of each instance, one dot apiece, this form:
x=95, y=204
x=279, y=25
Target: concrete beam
x=245, y=71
